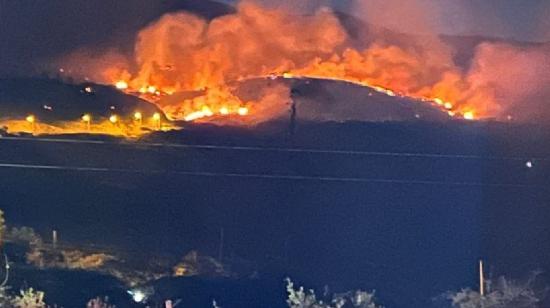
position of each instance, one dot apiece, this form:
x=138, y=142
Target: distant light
x=137, y=295
x=121, y=85
x=469, y=116
x=529, y=164
x=156, y=116
x=113, y=119
x=88, y=89
x=439, y=101
x=30, y=119
x=448, y=105
x=242, y=111
x=138, y=116
x=86, y=118
x=143, y=90
x=224, y=111
x=151, y=89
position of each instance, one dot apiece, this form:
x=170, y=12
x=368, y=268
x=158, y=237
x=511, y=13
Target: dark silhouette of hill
x=53, y=100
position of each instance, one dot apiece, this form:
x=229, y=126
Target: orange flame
x=181, y=52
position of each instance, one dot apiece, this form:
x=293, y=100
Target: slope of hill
x=53, y=100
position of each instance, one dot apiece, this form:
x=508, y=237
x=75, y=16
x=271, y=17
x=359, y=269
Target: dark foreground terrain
x=404, y=208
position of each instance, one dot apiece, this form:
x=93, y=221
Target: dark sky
x=33, y=31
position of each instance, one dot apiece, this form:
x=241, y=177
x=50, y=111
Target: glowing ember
x=242, y=111
x=121, y=85
x=113, y=119
x=152, y=89
x=194, y=116
x=206, y=111
x=30, y=118
x=86, y=118
x=469, y=115
x=138, y=116
x=287, y=75
x=224, y=111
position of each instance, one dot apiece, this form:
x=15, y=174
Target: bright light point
x=448, y=106
x=206, y=111
x=194, y=116
x=438, y=101
x=137, y=295
x=30, y=119
x=529, y=164
x=138, y=116
x=224, y=111
x=143, y=90
x=121, y=85
x=86, y=118
x=156, y=116
x=151, y=89
x=88, y=89
x=113, y=119
x=242, y=111
x=469, y=116
x=287, y=75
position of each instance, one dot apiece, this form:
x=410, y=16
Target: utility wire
x=260, y=176
x=277, y=149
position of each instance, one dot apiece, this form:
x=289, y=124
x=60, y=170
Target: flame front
x=181, y=52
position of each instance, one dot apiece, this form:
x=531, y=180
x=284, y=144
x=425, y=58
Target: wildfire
x=121, y=85
x=183, y=53
x=242, y=111
x=469, y=115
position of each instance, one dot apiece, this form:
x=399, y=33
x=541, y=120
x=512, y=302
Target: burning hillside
x=45, y=106
x=183, y=53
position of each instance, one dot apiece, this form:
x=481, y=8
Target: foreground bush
x=298, y=298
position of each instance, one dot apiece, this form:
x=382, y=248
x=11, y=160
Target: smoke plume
x=181, y=52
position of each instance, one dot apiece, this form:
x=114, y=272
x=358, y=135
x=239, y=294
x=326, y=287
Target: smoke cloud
x=182, y=52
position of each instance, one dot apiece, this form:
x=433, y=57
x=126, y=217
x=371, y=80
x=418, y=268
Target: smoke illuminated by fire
x=183, y=53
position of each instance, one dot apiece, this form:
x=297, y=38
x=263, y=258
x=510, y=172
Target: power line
x=278, y=149
x=261, y=176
